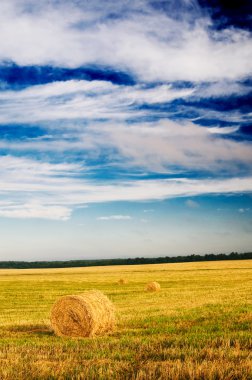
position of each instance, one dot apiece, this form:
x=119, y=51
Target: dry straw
x=153, y=287
x=122, y=281
x=87, y=314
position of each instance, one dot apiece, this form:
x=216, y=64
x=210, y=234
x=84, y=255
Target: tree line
x=129, y=261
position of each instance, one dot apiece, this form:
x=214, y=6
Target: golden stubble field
x=197, y=327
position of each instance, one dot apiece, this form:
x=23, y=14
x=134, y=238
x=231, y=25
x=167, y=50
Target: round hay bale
x=84, y=315
x=153, y=287
x=122, y=281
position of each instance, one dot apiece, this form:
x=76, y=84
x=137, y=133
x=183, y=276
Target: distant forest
x=129, y=261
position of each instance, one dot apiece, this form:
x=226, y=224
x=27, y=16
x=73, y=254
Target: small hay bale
x=84, y=315
x=153, y=287
x=122, y=281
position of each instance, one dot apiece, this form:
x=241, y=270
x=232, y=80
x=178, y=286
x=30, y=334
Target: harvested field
x=197, y=327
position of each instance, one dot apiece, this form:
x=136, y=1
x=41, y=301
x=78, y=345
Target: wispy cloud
x=35, y=210
x=223, y=131
x=82, y=99
x=242, y=210
x=163, y=147
x=30, y=189
x=114, y=217
x=191, y=203
x=221, y=88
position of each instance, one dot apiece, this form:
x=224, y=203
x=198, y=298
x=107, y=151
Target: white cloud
x=149, y=44
x=191, y=203
x=221, y=88
x=144, y=220
x=56, y=89
x=14, y=169
x=76, y=192
x=187, y=112
x=115, y=217
x=35, y=210
x=223, y=131
x=167, y=145
x=242, y=210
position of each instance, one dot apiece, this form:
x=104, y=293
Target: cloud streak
x=115, y=217
x=34, y=210
x=86, y=100
x=42, y=193
x=162, y=147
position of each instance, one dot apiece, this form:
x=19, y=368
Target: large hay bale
x=87, y=314
x=153, y=287
x=122, y=281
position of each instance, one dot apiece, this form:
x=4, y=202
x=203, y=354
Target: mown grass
x=197, y=327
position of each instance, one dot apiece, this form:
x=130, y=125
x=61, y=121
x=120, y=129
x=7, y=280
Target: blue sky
x=125, y=128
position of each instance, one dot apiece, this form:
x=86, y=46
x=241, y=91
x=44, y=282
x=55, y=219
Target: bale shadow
x=34, y=329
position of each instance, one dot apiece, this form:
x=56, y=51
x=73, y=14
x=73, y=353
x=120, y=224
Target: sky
x=125, y=128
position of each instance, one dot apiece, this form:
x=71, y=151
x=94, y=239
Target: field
x=197, y=327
